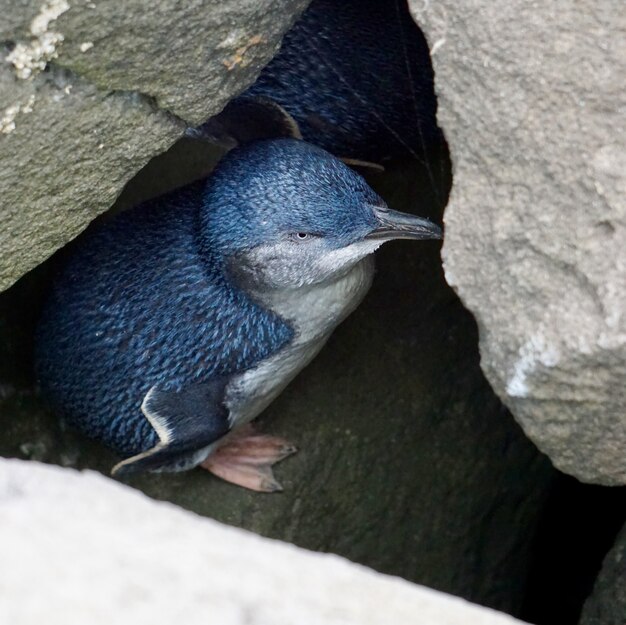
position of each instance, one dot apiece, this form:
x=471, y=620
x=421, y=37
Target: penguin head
x=283, y=213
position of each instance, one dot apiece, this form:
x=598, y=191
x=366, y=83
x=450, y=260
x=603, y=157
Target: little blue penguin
x=174, y=324
x=357, y=78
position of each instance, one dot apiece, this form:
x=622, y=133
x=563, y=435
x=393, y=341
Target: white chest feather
x=314, y=312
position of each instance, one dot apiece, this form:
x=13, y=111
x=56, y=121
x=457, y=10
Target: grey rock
x=124, y=79
x=16, y=21
x=97, y=552
x=607, y=603
x=71, y=152
x=408, y=462
x=190, y=57
x=532, y=103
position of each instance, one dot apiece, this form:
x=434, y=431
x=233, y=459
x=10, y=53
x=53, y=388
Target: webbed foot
x=246, y=458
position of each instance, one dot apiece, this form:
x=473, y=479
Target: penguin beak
x=397, y=225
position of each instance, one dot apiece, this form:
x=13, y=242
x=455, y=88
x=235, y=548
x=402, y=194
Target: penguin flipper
x=360, y=165
x=247, y=119
x=186, y=422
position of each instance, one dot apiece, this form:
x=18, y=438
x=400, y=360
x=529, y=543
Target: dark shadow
x=577, y=528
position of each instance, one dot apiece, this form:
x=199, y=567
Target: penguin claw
x=246, y=459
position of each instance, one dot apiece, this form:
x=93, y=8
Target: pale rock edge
x=80, y=548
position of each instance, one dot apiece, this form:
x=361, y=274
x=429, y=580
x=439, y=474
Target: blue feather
x=137, y=306
x=357, y=77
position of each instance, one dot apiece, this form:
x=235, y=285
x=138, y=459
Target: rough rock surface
x=98, y=552
x=532, y=103
x=607, y=603
x=122, y=81
x=408, y=462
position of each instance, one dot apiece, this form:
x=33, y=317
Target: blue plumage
x=137, y=305
x=357, y=77
x=277, y=183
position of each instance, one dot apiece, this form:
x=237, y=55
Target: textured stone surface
x=532, y=102
x=408, y=462
x=99, y=553
x=67, y=160
x=123, y=79
x=191, y=57
x=607, y=603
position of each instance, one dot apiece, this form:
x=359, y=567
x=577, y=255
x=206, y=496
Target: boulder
x=532, y=104
x=607, y=603
x=78, y=548
x=90, y=92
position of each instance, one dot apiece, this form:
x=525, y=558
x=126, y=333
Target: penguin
x=173, y=325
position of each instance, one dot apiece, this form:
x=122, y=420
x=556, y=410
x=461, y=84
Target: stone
x=78, y=548
x=532, y=104
x=90, y=92
x=607, y=603
x=189, y=57
x=408, y=463
x=72, y=149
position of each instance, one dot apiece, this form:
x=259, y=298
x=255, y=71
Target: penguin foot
x=246, y=458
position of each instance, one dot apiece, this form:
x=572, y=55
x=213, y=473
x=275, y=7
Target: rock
x=123, y=81
x=190, y=59
x=532, y=105
x=607, y=603
x=408, y=462
x=71, y=152
x=97, y=552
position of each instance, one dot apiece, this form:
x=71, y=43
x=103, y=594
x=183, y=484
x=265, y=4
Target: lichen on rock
x=28, y=58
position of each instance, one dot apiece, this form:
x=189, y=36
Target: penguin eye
x=301, y=236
